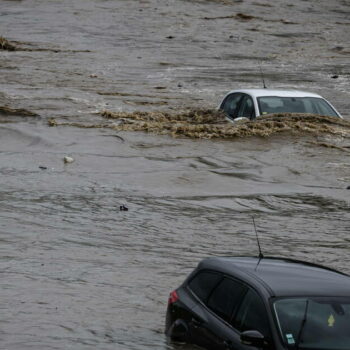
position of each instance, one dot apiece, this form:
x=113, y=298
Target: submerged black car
x=270, y=303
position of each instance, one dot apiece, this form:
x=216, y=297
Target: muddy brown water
x=76, y=272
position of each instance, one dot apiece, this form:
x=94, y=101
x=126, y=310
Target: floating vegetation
x=209, y=124
x=4, y=110
x=6, y=45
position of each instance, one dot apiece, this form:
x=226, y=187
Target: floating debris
x=192, y=116
x=6, y=45
x=16, y=111
x=213, y=124
x=240, y=16
x=42, y=167
x=68, y=160
x=208, y=124
x=52, y=122
x=245, y=17
x=123, y=208
x=24, y=46
x=284, y=21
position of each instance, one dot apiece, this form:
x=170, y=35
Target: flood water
x=78, y=273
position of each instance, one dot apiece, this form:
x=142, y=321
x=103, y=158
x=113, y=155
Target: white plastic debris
x=68, y=160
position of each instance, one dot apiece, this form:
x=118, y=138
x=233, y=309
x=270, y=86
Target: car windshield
x=314, y=323
x=274, y=104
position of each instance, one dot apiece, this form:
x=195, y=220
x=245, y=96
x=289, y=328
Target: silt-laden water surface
x=76, y=272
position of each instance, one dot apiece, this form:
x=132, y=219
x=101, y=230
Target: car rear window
x=203, y=283
x=226, y=297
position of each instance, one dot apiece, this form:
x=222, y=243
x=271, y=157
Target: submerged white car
x=252, y=103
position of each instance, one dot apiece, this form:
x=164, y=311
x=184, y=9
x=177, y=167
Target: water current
x=78, y=273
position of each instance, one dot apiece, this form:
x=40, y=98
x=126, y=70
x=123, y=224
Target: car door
x=231, y=104
x=252, y=315
x=246, y=108
x=210, y=327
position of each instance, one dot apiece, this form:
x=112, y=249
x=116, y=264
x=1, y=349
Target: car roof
x=279, y=93
x=283, y=277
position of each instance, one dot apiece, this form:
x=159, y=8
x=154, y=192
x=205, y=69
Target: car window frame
x=267, y=308
x=234, y=116
x=204, y=303
x=235, y=311
x=241, y=297
x=194, y=276
x=275, y=319
x=328, y=104
x=253, y=116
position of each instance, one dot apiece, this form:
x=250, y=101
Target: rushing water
x=76, y=272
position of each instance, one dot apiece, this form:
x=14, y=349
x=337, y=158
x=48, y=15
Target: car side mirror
x=252, y=338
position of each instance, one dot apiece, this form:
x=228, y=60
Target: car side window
x=231, y=104
x=246, y=108
x=225, y=298
x=203, y=283
x=252, y=315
